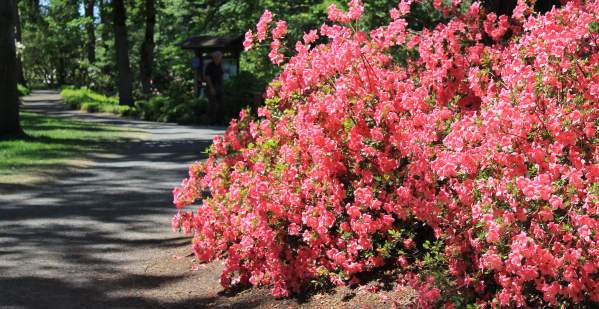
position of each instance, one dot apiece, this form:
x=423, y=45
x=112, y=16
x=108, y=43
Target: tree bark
x=104, y=12
x=91, y=31
x=146, y=61
x=105, y=21
x=9, y=100
x=61, y=72
x=125, y=84
x=33, y=10
x=20, y=76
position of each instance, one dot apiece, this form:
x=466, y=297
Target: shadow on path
x=82, y=241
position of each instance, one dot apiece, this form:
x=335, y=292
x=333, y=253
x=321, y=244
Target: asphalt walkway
x=83, y=240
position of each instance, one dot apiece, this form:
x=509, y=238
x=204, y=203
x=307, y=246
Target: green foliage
x=183, y=110
x=242, y=91
x=55, y=39
x=90, y=101
x=23, y=91
x=165, y=109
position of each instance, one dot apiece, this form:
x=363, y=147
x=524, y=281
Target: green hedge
x=157, y=108
x=90, y=101
x=165, y=109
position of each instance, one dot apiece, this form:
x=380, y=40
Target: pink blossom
x=249, y=40
x=485, y=141
x=262, y=26
x=280, y=30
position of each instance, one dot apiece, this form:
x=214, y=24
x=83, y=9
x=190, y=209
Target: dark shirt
x=215, y=73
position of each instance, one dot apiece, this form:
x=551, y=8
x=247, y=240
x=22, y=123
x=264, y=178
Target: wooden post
x=199, y=72
x=238, y=57
x=201, y=69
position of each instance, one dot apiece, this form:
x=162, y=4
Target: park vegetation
x=462, y=156
x=129, y=49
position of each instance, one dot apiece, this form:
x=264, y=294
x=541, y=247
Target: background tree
x=9, y=105
x=147, y=47
x=18, y=32
x=91, y=31
x=125, y=83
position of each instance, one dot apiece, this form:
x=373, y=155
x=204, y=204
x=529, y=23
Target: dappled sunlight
x=78, y=236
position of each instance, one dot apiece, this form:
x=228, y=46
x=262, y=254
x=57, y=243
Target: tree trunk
x=33, y=10
x=20, y=76
x=9, y=102
x=147, y=48
x=91, y=31
x=104, y=12
x=122, y=52
x=61, y=72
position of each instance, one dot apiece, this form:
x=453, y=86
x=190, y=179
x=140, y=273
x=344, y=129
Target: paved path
x=82, y=241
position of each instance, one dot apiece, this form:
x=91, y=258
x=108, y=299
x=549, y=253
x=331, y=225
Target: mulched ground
x=199, y=285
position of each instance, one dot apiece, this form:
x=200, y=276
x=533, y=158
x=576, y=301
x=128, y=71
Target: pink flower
x=357, y=155
x=310, y=37
x=275, y=56
x=404, y=6
x=280, y=30
x=353, y=211
x=395, y=13
x=262, y=25
x=249, y=40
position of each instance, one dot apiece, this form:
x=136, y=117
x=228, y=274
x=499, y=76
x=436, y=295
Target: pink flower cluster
x=493, y=147
x=278, y=33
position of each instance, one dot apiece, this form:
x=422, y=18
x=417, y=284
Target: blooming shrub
x=466, y=156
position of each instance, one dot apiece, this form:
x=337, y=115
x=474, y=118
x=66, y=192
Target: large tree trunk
x=91, y=31
x=9, y=102
x=147, y=48
x=122, y=53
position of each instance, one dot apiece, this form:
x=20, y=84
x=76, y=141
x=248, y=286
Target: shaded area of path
x=99, y=236
x=86, y=239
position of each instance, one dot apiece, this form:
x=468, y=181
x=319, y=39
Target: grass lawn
x=52, y=144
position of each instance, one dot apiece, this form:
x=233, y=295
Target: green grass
x=53, y=142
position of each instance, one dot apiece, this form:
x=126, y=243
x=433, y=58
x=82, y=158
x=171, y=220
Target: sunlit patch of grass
x=53, y=142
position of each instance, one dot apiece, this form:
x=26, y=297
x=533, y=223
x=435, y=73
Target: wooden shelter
x=204, y=45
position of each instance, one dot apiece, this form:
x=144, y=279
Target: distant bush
x=158, y=108
x=242, y=91
x=166, y=109
x=23, y=90
x=90, y=107
x=90, y=101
